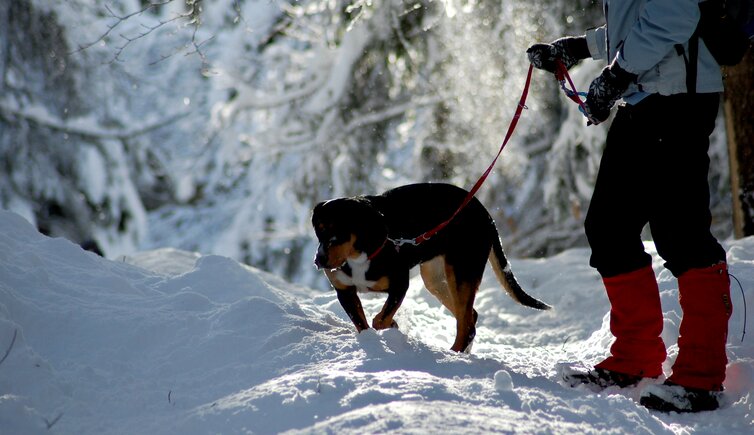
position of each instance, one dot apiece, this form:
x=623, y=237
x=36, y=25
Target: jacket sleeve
x=596, y=41
x=661, y=25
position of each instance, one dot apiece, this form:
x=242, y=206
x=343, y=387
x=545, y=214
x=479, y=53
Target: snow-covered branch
x=87, y=126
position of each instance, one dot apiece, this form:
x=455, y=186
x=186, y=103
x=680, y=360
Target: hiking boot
x=669, y=397
x=598, y=379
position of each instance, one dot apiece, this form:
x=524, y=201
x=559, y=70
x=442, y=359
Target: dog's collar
x=377, y=252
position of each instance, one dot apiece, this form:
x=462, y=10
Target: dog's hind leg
x=433, y=275
x=463, y=292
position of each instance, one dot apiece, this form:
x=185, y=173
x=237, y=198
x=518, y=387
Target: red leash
x=561, y=74
x=427, y=235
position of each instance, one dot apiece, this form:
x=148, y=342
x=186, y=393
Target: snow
x=173, y=342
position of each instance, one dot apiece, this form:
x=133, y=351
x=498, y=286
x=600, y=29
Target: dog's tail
x=505, y=275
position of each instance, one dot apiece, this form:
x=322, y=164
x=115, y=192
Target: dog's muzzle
x=320, y=258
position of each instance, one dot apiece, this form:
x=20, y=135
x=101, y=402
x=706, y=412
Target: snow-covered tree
x=65, y=154
x=217, y=125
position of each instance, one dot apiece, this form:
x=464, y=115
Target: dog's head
x=346, y=228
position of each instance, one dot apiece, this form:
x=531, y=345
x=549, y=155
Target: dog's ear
x=317, y=209
x=318, y=219
x=370, y=227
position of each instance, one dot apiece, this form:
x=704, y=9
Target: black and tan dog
x=358, y=252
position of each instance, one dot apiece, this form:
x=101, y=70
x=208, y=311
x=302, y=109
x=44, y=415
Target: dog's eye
x=337, y=239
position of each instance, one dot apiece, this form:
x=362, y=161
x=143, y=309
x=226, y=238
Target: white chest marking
x=359, y=267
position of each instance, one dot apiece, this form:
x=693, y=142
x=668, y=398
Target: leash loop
x=562, y=76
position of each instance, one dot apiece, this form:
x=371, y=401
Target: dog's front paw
x=380, y=323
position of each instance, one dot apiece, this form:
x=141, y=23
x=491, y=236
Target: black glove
x=605, y=90
x=570, y=50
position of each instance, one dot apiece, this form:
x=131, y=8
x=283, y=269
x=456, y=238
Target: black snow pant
x=654, y=170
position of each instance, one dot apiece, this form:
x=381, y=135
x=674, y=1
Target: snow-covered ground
x=170, y=342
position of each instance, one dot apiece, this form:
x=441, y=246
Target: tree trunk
x=739, y=115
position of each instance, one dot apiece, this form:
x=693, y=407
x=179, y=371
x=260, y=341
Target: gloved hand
x=570, y=50
x=605, y=90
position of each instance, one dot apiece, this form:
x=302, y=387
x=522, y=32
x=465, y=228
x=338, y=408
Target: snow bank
x=172, y=342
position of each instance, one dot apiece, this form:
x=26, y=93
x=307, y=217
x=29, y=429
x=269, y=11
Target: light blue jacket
x=642, y=35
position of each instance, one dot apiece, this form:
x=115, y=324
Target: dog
x=359, y=250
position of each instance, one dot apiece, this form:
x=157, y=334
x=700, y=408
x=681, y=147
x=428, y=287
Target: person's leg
x=617, y=214
x=679, y=216
x=618, y=209
x=699, y=370
x=680, y=226
x=636, y=323
x=705, y=301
